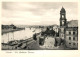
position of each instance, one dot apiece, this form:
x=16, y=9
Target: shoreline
x=11, y=30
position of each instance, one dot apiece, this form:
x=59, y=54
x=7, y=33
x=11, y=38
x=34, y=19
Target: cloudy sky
x=37, y=13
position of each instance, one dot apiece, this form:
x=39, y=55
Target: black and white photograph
x=39, y=26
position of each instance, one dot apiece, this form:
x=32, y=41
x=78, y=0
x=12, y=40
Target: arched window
x=62, y=16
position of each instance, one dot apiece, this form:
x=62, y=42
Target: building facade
x=71, y=34
x=68, y=30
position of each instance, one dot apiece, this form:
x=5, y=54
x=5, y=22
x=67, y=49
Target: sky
x=37, y=13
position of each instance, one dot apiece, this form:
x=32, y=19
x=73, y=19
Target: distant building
x=68, y=30
x=56, y=28
x=43, y=29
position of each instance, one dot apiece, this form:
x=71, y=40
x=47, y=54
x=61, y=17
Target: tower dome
x=62, y=10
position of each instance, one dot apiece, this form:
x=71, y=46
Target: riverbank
x=17, y=44
x=22, y=44
x=11, y=30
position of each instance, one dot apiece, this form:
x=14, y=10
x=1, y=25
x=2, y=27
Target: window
x=70, y=33
x=74, y=44
x=63, y=22
x=73, y=38
x=69, y=43
x=60, y=30
x=73, y=33
x=69, y=38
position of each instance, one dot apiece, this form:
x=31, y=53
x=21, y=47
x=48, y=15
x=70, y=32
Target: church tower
x=62, y=23
x=62, y=17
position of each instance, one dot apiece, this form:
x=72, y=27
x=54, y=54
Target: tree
x=14, y=27
x=34, y=37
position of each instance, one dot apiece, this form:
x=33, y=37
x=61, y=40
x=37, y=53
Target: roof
x=72, y=23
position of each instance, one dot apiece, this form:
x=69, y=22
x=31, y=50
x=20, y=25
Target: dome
x=62, y=10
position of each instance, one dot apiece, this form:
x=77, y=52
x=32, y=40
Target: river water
x=18, y=35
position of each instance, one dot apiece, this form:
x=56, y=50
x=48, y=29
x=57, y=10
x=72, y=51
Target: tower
x=62, y=23
x=62, y=17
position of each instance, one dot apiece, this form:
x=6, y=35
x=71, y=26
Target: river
x=18, y=35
